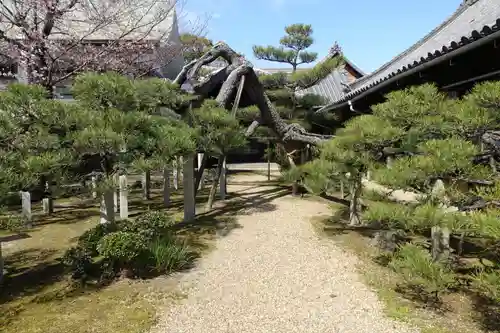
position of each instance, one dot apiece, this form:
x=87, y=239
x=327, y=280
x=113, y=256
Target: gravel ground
x=274, y=274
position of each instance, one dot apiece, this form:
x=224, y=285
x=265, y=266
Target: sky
x=369, y=32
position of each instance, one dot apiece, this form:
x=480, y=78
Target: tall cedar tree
x=431, y=139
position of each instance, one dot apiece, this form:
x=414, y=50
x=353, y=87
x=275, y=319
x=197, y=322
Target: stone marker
x=123, y=197
x=26, y=207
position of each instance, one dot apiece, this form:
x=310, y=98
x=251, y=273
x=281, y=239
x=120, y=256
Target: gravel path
x=274, y=274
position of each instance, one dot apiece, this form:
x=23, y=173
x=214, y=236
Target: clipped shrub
x=107, y=90
x=149, y=225
x=168, y=254
x=388, y=214
x=487, y=284
x=122, y=248
x=79, y=261
x=12, y=223
x=90, y=238
x=421, y=273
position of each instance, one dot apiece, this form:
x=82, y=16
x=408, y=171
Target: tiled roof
x=332, y=87
x=335, y=85
x=473, y=20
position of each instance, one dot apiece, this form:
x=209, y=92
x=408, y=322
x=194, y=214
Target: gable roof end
x=473, y=20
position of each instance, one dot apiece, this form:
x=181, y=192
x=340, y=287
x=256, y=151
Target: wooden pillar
x=189, y=191
x=146, y=185
x=202, y=177
x=268, y=160
x=223, y=181
x=166, y=186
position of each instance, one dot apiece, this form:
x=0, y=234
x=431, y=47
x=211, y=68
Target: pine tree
x=292, y=49
x=193, y=46
x=432, y=140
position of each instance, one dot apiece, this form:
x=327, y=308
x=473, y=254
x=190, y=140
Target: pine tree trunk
x=215, y=184
x=354, y=204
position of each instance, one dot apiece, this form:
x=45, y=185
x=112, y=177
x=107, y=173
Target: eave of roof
x=467, y=14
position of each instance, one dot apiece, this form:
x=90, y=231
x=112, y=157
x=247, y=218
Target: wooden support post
x=268, y=160
x=175, y=171
x=223, y=181
x=146, y=185
x=166, y=186
x=1, y=264
x=116, y=194
x=189, y=191
x=201, y=171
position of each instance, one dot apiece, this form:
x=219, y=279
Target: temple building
x=460, y=52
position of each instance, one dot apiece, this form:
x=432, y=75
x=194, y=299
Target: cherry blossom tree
x=50, y=40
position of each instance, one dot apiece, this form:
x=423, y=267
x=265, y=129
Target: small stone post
x=26, y=207
x=123, y=197
x=107, y=207
x=47, y=201
x=389, y=162
x=189, y=191
x=440, y=236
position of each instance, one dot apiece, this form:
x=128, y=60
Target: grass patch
x=457, y=314
x=38, y=295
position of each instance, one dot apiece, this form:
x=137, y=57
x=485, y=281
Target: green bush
x=90, y=238
x=79, y=261
x=391, y=215
x=122, y=248
x=420, y=272
x=12, y=223
x=108, y=90
x=149, y=225
x=168, y=254
x=487, y=284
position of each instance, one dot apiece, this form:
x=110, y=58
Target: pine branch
x=275, y=54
